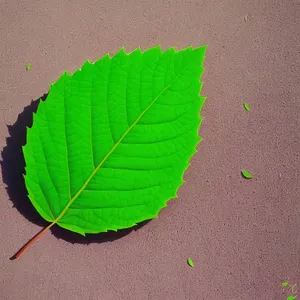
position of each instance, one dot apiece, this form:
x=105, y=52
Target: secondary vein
x=109, y=153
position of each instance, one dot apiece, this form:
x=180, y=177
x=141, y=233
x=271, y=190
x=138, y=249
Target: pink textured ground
x=244, y=236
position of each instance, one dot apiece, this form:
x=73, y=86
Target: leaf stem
x=37, y=236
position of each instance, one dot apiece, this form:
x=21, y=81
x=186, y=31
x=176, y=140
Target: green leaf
x=291, y=297
x=110, y=144
x=246, y=174
x=247, y=107
x=28, y=67
x=284, y=284
x=190, y=262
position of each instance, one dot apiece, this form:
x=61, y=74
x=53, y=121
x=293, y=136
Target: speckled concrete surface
x=244, y=236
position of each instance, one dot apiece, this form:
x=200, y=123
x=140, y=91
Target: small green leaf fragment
x=247, y=107
x=246, y=174
x=190, y=262
x=291, y=297
x=28, y=67
x=284, y=284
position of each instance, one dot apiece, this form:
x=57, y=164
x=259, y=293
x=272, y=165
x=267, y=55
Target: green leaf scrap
x=110, y=144
x=284, y=283
x=246, y=174
x=190, y=262
x=28, y=67
x=247, y=107
x=291, y=297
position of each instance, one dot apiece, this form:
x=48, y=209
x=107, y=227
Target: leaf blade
x=190, y=262
x=292, y=297
x=246, y=106
x=246, y=174
x=83, y=179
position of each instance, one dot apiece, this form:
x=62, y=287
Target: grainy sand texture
x=243, y=235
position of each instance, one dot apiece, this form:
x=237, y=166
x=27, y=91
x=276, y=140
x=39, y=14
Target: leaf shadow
x=13, y=168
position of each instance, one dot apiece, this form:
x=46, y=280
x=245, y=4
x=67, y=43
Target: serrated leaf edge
x=201, y=98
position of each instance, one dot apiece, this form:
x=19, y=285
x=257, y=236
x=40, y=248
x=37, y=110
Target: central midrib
x=108, y=154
